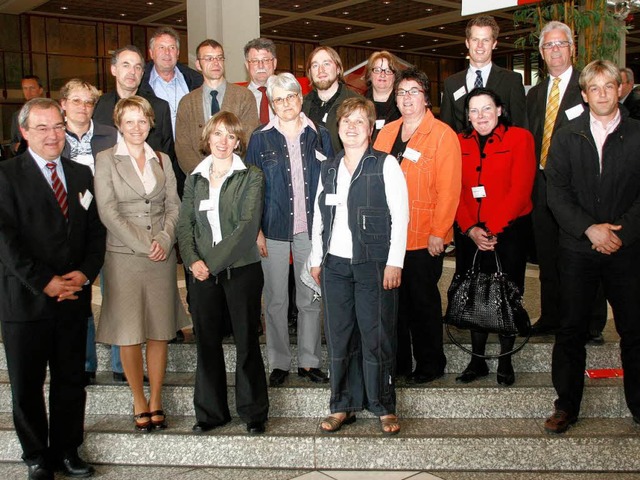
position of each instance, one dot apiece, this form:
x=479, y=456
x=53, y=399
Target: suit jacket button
x=148, y=227
x=146, y=201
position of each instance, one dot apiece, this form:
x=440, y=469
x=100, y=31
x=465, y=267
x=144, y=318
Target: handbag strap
x=495, y=254
x=487, y=357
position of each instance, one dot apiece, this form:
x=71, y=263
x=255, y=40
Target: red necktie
x=264, y=106
x=58, y=190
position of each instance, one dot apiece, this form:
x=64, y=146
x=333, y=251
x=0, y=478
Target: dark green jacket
x=240, y=206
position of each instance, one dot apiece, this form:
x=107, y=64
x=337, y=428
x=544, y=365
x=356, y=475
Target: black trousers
x=420, y=314
x=59, y=342
x=547, y=239
x=581, y=276
x=242, y=290
x=360, y=326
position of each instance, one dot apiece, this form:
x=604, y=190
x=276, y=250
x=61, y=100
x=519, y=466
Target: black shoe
x=418, y=377
x=596, y=338
x=506, y=375
x=314, y=374
x=179, y=338
x=471, y=374
x=544, y=327
x=40, y=471
x=73, y=466
x=255, y=428
x=121, y=377
x=89, y=378
x=202, y=427
x=277, y=377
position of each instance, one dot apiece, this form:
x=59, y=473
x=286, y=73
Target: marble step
x=531, y=396
x=596, y=445
x=534, y=357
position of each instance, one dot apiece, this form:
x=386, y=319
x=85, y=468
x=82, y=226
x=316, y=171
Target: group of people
x=361, y=193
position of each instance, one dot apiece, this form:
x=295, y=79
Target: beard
x=324, y=84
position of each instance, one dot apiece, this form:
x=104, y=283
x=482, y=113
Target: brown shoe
x=559, y=422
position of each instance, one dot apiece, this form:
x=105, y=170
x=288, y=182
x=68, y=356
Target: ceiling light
x=435, y=39
x=64, y=8
x=307, y=22
x=149, y=3
x=347, y=28
x=401, y=46
x=296, y=6
x=274, y=31
x=315, y=35
x=441, y=28
x=433, y=49
x=123, y=14
x=402, y=35
x=387, y=19
x=386, y=2
x=368, y=41
x=428, y=9
x=345, y=13
x=180, y=20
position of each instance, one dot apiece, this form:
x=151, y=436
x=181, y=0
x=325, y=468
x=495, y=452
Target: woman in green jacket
x=217, y=231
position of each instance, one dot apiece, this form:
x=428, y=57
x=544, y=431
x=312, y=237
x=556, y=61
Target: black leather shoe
x=121, y=377
x=89, y=378
x=506, y=375
x=202, y=427
x=73, y=466
x=471, y=374
x=417, y=377
x=255, y=428
x=40, y=471
x=277, y=377
x=595, y=338
x=544, y=327
x=314, y=374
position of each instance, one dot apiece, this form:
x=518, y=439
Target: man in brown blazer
x=214, y=95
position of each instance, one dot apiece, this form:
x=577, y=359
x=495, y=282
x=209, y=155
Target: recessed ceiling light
x=296, y=6
x=435, y=39
x=428, y=9
x=315, y=35
x=307, y=22
x=345, y=13
x=401, y=46
x=369, y=41
x=507, y=38
x=274, y=31
x=64, y=8
x=180, y=20
x=441, y=28
x=347, y=28
x=387, y=19
x=402, y=35
x=149, y=3
x=123, y=14
x=386, y=2
x=433, y=49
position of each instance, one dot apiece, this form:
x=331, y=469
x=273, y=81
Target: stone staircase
x=445, y=426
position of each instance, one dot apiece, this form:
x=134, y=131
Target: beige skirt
x=140, y=300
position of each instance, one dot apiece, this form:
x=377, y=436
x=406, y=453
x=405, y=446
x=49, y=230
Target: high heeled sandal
x=387, y=425
x=336, y=423
x=144, y=427
x=158, y=424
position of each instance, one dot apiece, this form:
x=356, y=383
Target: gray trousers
x=276, y=302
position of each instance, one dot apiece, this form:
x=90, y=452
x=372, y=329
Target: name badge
x=574, y=112
x=332, y=199
x=411, y=154
x=459, y=93
x=206, y=205
x=324, y=119
x=320, y=156
x=379, y=124
x=478, y=192
x=85, y=200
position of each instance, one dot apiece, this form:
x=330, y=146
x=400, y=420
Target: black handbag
x=486, y=302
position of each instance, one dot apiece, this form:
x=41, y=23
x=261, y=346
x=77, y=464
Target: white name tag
x=379, y=124
x=320, y=156
x=459, y=93
x=206, y=205
x=411, y=154
x=478, y=192
x=332, y=199
x=574, y=112
x=324, y=119
x=85, y=200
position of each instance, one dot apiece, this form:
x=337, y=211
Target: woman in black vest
x=358, y=243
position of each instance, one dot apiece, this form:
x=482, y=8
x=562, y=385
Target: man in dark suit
x=31, y=88
x=556, y=48
x=629, y=97
x=52, y=246
x=482, y=37
x=594, y=193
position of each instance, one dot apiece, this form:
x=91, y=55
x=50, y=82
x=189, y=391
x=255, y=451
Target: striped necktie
x=478, y=82
x=58, y=190
x=550, y=119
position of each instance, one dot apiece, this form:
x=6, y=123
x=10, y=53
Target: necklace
x=217, y=174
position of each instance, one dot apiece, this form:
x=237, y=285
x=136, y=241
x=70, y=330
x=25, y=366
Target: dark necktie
x=215, y=106
x=264, y=106
x=478, y=82
x=58, y=190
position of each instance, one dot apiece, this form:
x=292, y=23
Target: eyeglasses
x=78, y=102
x=258, y=61
x=42, y=130
x=413, y=92
x=212, y=58
x=289, y=98
x=379, y=71
x=556, y=43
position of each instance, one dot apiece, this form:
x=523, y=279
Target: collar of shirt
x=204, y=166
x=275, y=123
x=564, y=77
x=609, y=127
x=471, y=75
x=206, y=95
x=42, y=165
x=122, y=149
x=88, y=135
x=177, y=77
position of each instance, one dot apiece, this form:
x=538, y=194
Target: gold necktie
x=549, y=120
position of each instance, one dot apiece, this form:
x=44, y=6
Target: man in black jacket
x=593, y=188
x=629, y=96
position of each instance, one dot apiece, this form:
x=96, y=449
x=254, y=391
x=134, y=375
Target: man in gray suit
x=215, y=94
x=482, y=37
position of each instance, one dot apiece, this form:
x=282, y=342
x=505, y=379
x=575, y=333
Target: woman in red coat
x=498, y=168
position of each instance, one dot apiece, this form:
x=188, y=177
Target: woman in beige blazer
x=138, y=204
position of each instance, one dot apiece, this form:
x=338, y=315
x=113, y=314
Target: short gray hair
x=555, y=25
x=286, y=81
x=165, y=31
x=629, y=73
x=260, y=44
x=38, y=103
